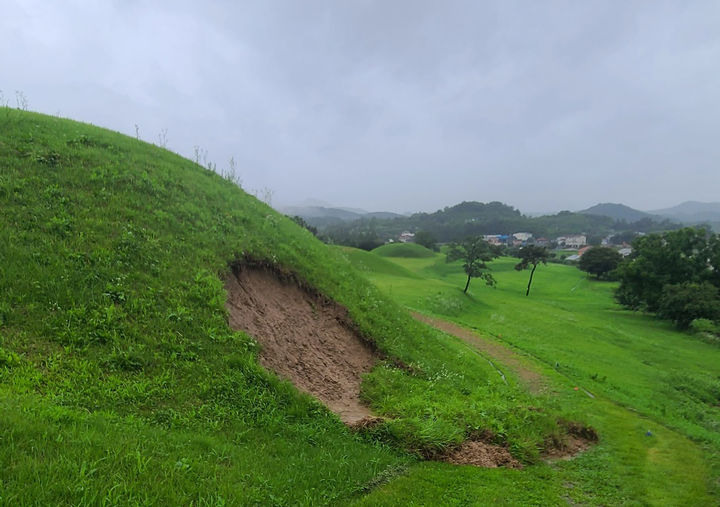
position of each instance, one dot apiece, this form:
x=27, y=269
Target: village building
x=406, y=237
x=573, y=241
x=496, y=239
x=522, y=236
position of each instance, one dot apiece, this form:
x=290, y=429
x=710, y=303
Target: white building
x=522, y=236
x=574, y=241
x=406, y=237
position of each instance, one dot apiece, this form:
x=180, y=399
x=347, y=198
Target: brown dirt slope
x=304, y=337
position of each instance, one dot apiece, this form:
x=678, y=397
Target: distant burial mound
x=403, y=250
x=305, y=337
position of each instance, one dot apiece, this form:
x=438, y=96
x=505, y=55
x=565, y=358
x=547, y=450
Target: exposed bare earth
x=532, y=379
x=572, y=447
x=578, y=438
x=308, y=339
x=304, y=337
x=482, y=454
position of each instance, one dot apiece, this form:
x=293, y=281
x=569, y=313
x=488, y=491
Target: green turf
x=410, y=250
x=645, y=375
x=121, y=382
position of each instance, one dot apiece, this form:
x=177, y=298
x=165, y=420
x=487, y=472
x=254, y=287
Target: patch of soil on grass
x=481, y=454
x=579, y=438
x=304, y=336
x=535, y=381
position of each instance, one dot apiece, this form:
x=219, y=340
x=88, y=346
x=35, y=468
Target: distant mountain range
x=690, y=212
x=687, y=213
x=618, y=212
x=321, y=216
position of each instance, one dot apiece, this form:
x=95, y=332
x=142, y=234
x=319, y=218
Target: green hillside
x=655, y=390
x=121, y=381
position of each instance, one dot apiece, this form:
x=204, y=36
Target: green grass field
x=122, y=383
x=645, y=374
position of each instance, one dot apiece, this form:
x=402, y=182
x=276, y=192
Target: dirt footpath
x=534, y=381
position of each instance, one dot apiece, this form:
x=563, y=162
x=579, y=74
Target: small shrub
x=707, y=330
x=705, y=326
x=682, y=303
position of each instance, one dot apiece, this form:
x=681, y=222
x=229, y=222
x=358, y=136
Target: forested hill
x=475, y=218
x=618, y=212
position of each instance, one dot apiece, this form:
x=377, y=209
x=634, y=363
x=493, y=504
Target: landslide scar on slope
x=304, y=337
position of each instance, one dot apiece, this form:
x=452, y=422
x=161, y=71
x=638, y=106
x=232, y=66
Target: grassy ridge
x=573, y=330
x=112, y=305
x=114, y=338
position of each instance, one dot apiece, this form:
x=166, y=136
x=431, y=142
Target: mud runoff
x=304, y=337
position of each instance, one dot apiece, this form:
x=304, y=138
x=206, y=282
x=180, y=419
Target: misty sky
x=396, y=105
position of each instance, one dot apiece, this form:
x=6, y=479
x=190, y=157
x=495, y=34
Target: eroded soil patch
x=481, y=454
x=578, y=438
x=305, y=337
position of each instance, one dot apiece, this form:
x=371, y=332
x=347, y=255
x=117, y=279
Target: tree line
x=470, y=219
x=675, y=275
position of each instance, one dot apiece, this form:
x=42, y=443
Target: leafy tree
x=426, y=239
x=713, y=255
x=531, y=255
x=659, y=260
x=475, y=252
x=682, y=303
x=599, y=261
x=595, y=239
x=623, y=237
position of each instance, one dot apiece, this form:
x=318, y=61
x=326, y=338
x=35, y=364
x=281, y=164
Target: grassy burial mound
x=411, y=250
x=145, y=307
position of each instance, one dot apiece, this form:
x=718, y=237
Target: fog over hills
x=689, y=212
x=692, y=211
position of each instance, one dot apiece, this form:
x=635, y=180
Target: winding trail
x=533, y=379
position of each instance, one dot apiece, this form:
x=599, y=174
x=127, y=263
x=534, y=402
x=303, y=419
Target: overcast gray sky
x=396, y=105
